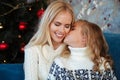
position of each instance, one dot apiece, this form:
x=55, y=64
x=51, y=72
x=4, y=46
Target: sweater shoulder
x=33, y=47
x=32, y=51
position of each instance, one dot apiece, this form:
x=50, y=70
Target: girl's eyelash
x=67, y=26
x=72, y=29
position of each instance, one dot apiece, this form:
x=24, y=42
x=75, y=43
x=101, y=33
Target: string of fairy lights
x=3, y=44
x=22, y=27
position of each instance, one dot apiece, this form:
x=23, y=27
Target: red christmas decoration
x=22, y=47
x=3, y=46
x=22, y=25
x=40, y=13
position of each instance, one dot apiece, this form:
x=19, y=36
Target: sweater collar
x=59, y=49
x=78, y=51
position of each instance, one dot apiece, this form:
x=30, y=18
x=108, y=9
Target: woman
x=47, y=43
x=87, y=55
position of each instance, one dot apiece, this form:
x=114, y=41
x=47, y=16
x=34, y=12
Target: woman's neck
x=56, y=45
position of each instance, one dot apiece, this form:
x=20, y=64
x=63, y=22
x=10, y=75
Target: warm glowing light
x=3, y=45
x=19, y=36
x=1, y=26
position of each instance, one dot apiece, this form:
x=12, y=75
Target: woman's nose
x=62, y=29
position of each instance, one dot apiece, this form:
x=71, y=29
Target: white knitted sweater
x=38, y=61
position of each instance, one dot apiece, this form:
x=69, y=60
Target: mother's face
x=60, y=26
x=75, y=38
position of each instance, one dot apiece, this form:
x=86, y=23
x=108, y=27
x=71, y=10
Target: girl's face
x=75, y=38
x=60, y=26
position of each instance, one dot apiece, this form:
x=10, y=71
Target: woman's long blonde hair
x=42, y=36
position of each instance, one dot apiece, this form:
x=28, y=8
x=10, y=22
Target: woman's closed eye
x=57, y=24
x=65, y=26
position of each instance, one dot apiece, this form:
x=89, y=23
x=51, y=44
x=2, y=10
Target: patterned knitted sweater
x=78, y=67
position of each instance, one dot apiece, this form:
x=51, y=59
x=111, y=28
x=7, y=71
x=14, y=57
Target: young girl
x=47, y=43
x=87, y=55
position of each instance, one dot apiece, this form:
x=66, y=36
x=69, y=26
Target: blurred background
x=19, y=19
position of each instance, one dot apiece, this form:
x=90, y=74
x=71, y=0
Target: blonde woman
x=47, y=43
x=86, y=57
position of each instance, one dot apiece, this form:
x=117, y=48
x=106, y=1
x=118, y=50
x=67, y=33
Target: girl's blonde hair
x=96, y=43
x=42, y=36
